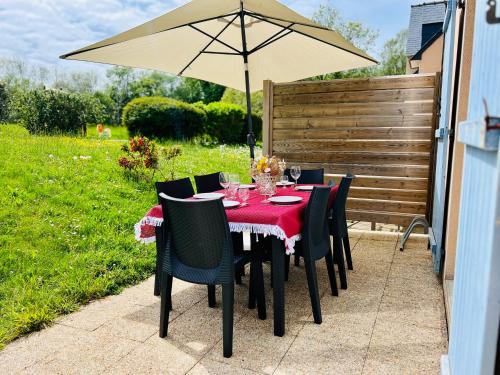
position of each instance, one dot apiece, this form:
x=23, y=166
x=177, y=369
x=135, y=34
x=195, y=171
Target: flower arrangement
x=266, y=164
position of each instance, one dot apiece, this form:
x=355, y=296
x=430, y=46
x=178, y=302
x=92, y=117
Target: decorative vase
x=266, y=184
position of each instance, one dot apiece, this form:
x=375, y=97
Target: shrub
x=228, y=123
x=56, y=112
x=163, y=118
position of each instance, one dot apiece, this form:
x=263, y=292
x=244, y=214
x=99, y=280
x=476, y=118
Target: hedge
x=159, y=117
x=228, y=123
x=55, y=111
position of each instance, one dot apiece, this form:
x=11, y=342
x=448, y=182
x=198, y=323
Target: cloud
x=41, y=30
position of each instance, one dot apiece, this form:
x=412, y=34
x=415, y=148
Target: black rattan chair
x=199, y=249
x=338, y=230
x=315, y=245
x=181, y=189
x=207, y=183
x=178, y=189
x=308, y=176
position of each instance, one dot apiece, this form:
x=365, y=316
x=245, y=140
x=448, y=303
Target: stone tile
x=342, y=329
x=307, y=356
x=210, y=367
x=197, y=330
x=158, y=357
x=380, y=236
x=84, y=353
x=399, y=361
x=31, y=349
x=97, y=313
x=128, y=329
x=369, y=252
x=412, y=290
x=254, y=346
x=417, y=241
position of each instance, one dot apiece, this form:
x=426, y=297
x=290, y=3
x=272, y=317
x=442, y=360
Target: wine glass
x=295, y=172
x=244, y=194
x=224, y=181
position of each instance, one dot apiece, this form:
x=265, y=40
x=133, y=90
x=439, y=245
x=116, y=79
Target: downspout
x=453, y=118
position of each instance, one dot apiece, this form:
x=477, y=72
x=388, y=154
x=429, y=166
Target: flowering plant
x=141, y=155
x=266, y=164
x=143, y=158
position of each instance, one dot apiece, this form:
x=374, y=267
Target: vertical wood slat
x=382, y=127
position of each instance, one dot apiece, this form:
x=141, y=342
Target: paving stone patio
x=391, y=320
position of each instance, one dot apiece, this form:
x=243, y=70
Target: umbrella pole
x=251, y=135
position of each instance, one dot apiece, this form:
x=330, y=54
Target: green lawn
x=66, y=222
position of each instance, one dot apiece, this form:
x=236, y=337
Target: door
x=476, y=294
x=442, y=138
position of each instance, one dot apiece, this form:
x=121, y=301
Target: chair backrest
x=315, y=233
x=338, y=209
x=207, y=183
x=198, y=238
x=181, y=189
x=309, y=176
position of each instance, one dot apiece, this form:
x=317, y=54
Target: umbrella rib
x=263, y=17
x=313, y=37
x=222, y=53
x=208, y=45
x=215, y=39
x=273, y=38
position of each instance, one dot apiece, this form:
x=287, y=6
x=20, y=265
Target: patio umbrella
x=218, y=40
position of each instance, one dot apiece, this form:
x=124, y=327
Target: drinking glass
x=284, y=181
x=232, y=190
x=224, y=181
x=244, y=195
x=234, y=184
x=295, y=173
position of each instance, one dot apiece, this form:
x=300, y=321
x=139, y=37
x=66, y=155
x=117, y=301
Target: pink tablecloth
x=282, y=221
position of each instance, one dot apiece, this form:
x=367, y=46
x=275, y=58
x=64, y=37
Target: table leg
x=278, y=260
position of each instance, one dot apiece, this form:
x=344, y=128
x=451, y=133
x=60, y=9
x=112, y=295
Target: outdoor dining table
x=282, y=222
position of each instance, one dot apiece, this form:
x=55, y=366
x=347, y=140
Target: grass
x=66, y=222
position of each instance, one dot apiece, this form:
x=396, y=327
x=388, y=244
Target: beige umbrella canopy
x=215, y=40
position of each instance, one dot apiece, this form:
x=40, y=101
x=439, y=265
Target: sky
x=39, y=31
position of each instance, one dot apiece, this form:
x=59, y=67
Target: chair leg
x=211, y=296
x=296, y=260
x=159, y=259
x=338, y=257
x=237, y=277
x=287, y=267
x=313, y=289
x=165, y=304
x=252, y=287
x=331, y=273
x=260, y=292
x=347, y=249
x=227, y=318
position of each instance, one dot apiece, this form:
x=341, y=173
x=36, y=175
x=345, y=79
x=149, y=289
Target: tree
x=239, y=97
x=193, y=90
x=119, y=89
x=354, y=32
x=76, y=82
x=152, y=84
x=394, y=56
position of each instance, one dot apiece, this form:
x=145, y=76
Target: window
x=429, y=30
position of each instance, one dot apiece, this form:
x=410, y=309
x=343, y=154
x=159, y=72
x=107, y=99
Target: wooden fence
x=380, y=129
